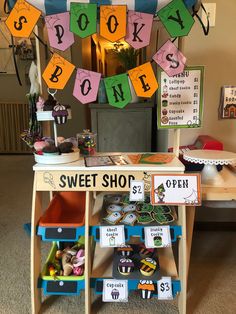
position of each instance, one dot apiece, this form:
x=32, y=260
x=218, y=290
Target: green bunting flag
x=176, y=18
x=118, y=90
x=83, y=19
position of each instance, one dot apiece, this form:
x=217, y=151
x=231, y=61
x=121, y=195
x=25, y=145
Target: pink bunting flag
x=170, y=59
x=139, y=29
x=59, y=34
x=86, y=86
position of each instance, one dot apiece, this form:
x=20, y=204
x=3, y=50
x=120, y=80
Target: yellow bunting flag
x=143, y=80
x=22, y=19
x=113, y=21
x=57, y=72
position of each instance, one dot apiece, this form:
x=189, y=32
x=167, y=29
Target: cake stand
x=210, y=159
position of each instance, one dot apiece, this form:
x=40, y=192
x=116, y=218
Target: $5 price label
x=164, y=288
x=136, y=191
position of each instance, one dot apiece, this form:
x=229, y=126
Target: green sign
x=176, y=18
x=83, y=19
x=118, y=90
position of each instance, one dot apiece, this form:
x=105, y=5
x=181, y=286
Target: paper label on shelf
x=112, y=236
x=157, y=236
x=164, y=289
x=115, y=290
x=136, y=191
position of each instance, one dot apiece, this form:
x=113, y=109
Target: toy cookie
x=148, y=266
x=125, y=266
x=125, y=250
x=162, y=218
x=145, y=252
x=129, y=219
x=146, y=287
x=113, y=218
x=144, y=208
x=144, y=218
x=130, y=208
x=114, y=208
x=113, y=198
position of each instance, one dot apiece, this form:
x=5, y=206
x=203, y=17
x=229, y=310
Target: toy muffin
x=125, y=250
x=148, y=266
x=145, y=252
x=60, y=114
x=115, y=294
x=125, y=266
x=146, y=287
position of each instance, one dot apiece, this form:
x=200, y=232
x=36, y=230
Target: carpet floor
x=212, y=276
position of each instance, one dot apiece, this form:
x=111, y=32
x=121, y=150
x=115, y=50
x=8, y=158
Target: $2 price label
x=164, y=289
x=136, y=191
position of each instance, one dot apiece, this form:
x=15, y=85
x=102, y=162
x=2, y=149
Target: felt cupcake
x=148, y=266
x=50, y=150
x=60, y=114
x=115, y=294
x=125, y=250
x=145, y=252
x=125, y=266
x=147, y=288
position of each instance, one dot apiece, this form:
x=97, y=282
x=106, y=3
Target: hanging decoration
x=176, y=18
x=59, y=34
x=143, y=80
x=22, y=19
x=113, y=22
x=83, y=20
x=118, y=91
x=170, y=59
x=57, y=72
x=86, y=86
x=139, y=29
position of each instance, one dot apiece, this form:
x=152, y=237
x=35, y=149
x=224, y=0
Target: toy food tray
x=144, y=213
x=57, y=159
x=136, y=274
x=60, y=285
x=64, y=218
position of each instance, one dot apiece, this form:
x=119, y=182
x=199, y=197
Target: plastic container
x=87, y=142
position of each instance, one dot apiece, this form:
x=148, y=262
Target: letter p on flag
x=176, y=18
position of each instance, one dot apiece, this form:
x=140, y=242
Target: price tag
x=115, y=290
x=136, y=191
x=157, y=236
x=112, y=236
x=164, y=289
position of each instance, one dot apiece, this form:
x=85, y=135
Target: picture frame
x=227, y=108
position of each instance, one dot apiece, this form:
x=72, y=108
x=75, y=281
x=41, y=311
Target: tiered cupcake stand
x=80, y=219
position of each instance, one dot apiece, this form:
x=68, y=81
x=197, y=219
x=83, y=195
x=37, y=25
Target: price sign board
x=115, y=290
x=181, y=99
x=112, y=236
x=176, y=189
x=136, y=191
x=164, y=289
x=157, y=236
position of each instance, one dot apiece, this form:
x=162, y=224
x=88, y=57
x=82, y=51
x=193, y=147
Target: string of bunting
x=135, y=27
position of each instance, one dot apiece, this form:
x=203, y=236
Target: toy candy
x=87, y=142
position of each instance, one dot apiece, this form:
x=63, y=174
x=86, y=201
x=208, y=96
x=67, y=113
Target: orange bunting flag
x=58, y=72
x=113, y=22
x=143, y=80
x=22, y=19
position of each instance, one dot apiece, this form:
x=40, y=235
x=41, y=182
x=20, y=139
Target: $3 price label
x=164, y=288
x=136, y=191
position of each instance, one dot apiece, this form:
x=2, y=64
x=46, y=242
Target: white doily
x=210, y=157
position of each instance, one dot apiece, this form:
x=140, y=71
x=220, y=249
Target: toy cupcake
x=125, y=250
x=145, y=252
x=115, y=294
x=148, y=266
x=146, y=287
x=125, y=266
x=60, y=114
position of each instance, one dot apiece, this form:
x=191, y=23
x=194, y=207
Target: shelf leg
x=182, y=299
x=190, y=215
x=88, y=252
x=35, y=250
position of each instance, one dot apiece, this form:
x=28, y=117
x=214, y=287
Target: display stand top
x=174, y=166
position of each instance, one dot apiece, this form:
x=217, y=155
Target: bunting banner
x=113, y=22
x=22, y=19
x=83, y=19
x=86, y=86
x=143, y=80
x=170, y=59
x=57, y=72
x=118, y=90
x=139, y=29
x=59, y=34
x=176, y=18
